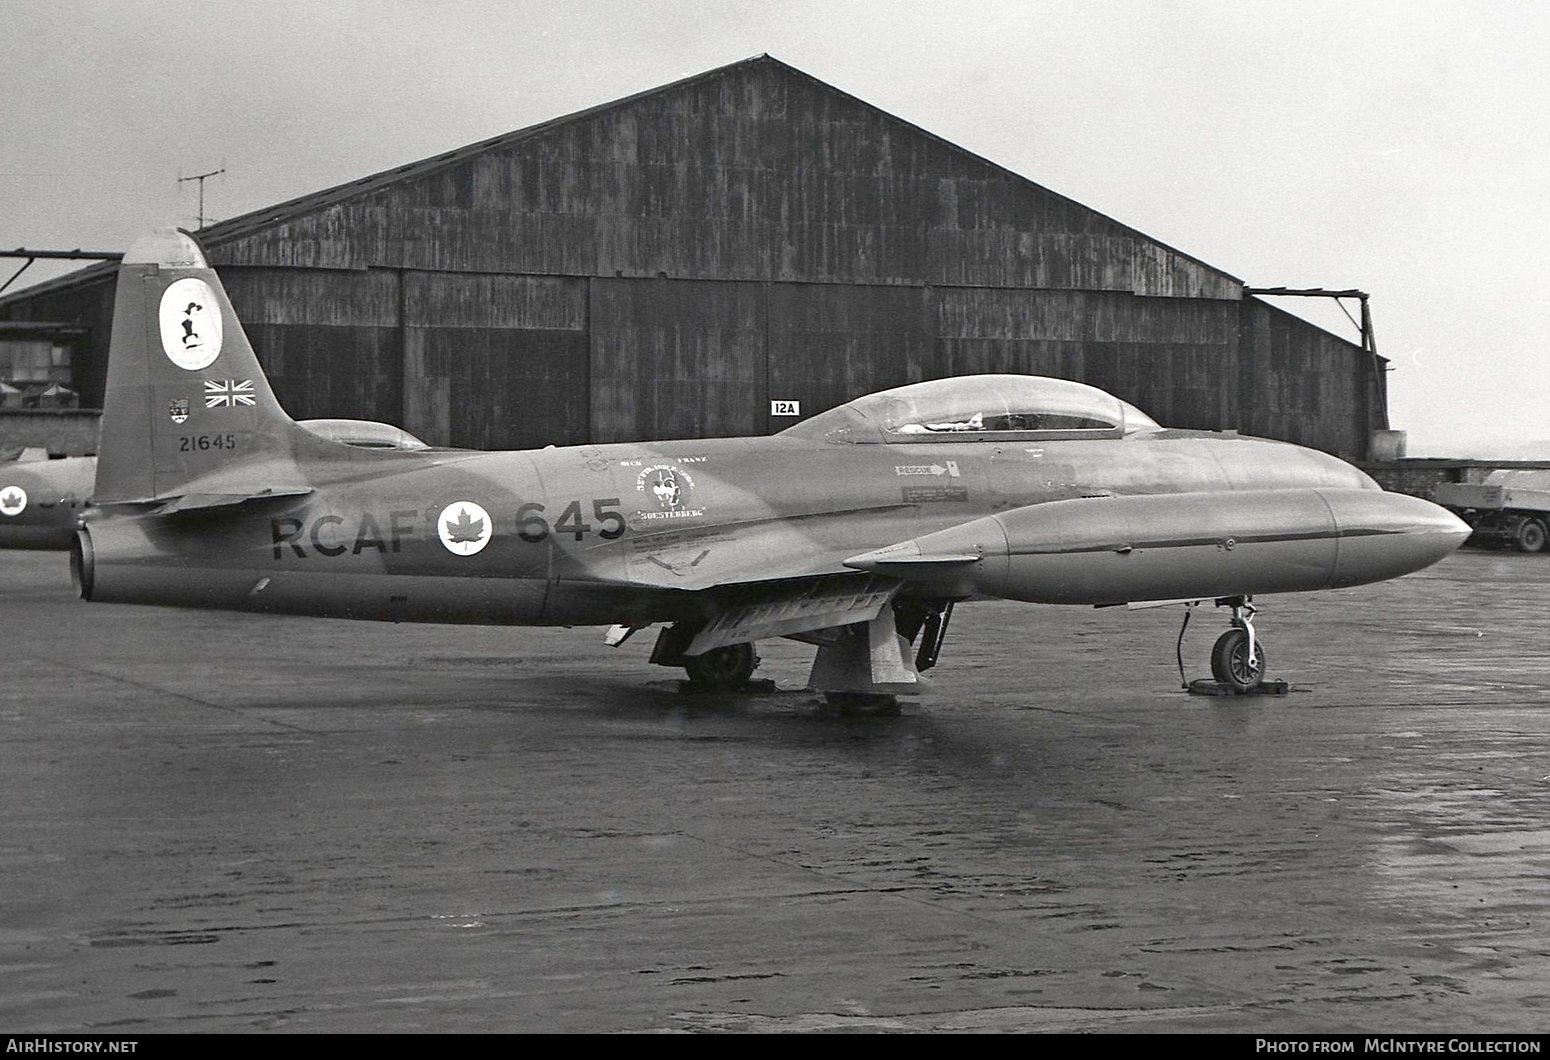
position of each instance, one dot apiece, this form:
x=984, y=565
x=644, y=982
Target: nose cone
x=1384, y=535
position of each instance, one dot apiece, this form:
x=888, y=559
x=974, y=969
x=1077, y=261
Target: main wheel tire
x=1531, y=536
x=1230, y=661
x=864, y=704
x=723, y=669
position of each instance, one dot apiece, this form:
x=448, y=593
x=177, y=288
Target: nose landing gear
x=1238, y=658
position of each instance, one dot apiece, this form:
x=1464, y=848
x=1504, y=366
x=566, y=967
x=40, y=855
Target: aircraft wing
x=760, y=579
x=767, y=550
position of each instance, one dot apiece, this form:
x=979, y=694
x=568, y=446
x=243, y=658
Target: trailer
x=1511, y=507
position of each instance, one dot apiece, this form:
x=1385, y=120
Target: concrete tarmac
x=224, y=822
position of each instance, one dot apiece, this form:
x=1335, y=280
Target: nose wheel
x=1238, y=657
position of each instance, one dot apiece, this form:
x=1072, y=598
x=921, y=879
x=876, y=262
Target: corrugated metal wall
x=495, y=362
x=677, y=359
x=1301, y=384
x=830, y=343
x=666, y=265
x=329, y=341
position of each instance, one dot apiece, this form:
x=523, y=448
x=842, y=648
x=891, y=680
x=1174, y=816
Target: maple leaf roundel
x=13, y=500
x=464, y=528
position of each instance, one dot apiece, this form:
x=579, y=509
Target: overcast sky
x=1399, y=147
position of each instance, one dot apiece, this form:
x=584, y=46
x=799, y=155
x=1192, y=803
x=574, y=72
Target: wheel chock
x=1205, y=686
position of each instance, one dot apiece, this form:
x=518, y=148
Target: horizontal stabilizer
x=192, y=501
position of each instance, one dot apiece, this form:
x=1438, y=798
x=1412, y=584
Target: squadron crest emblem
x=671, y=490
x=190, y=319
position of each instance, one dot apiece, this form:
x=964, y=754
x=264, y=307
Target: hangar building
x=669, y=264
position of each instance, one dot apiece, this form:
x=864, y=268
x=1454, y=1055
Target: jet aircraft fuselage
x=41, y=500
x=856, y=530
x=630, y=533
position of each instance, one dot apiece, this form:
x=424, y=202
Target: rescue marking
x=229, y=393
x=464, y=527
x=950, y=470
x=190, y=319
x=13, y=501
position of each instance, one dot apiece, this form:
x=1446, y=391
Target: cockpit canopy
x=978, y=408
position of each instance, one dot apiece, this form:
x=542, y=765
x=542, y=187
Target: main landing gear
x=860, y=668
x=728, y=668
x=723, y=669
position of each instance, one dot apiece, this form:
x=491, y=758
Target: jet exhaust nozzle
x=82, y=564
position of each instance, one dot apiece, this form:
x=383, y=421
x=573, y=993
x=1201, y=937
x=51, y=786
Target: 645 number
x=533, y=527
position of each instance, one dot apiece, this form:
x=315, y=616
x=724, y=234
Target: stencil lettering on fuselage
x=190, y=319
x=331, y=535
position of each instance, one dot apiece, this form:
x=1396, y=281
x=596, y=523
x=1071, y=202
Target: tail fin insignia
x=188, y=412
x=190, y=324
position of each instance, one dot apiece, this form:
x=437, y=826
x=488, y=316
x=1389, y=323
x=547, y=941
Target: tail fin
x=189, y=419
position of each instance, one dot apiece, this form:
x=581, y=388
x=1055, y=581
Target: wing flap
x=780, y=609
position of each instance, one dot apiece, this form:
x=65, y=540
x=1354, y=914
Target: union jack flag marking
x=228, y=393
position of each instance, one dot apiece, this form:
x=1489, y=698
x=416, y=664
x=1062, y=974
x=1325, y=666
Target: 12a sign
x=785, y=408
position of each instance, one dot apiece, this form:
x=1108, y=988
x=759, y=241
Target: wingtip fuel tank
x=1109, y=550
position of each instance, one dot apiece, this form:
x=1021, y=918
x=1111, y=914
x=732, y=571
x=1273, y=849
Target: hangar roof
x=235, y=228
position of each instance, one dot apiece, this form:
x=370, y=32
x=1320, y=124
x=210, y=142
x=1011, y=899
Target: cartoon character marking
x=190, y=321
x=666, y=490
x=190, y=336
x=672, y=488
